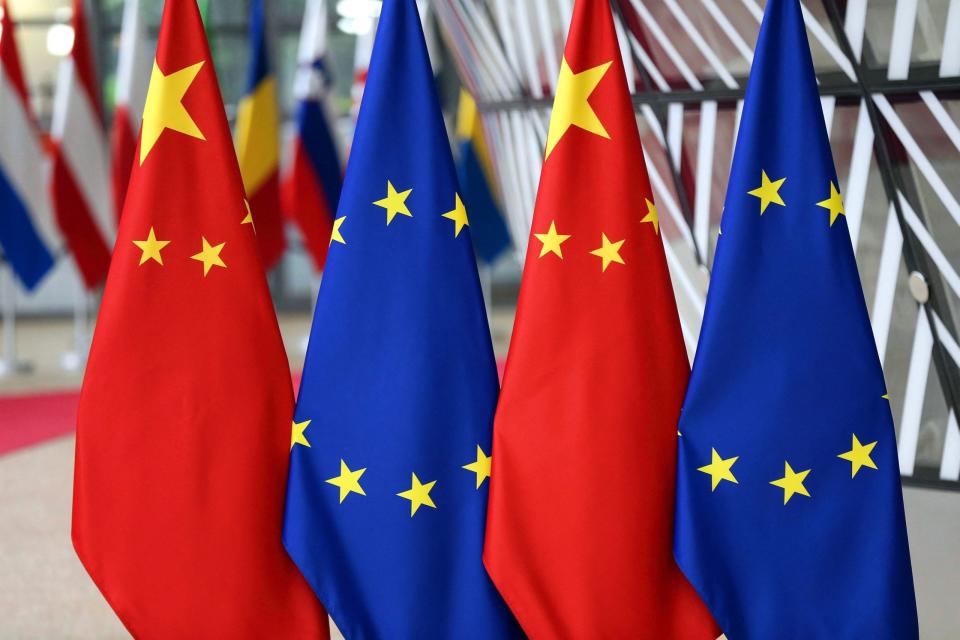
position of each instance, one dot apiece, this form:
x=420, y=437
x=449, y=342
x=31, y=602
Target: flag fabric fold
x=391, y=441
x=311, y=186
x=789, y=515
x=182, y=430
x=28, y=236
x=258, y=143
x=133, y=76
x=80, y=182
x=580, y=519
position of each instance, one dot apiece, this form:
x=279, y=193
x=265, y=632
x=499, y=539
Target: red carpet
x=31, y=419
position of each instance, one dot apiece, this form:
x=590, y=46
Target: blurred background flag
x=311, y=187
x=133, y=75
x=27, y=234
x=391, y=440
x=789, y=516
x=581, y=501
x=475, y=174
x=183, y=421
x=81, y=182
x=258, y=143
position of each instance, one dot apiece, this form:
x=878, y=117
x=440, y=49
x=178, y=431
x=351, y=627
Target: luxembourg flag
x=311, y=188
x=133, y=75
x=80, y=184
x=27, y=235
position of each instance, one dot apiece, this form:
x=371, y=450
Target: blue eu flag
x=789, y=514
x=390, y=448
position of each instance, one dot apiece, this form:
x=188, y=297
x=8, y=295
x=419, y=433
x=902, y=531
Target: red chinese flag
x=183, y=430
x=580, y=522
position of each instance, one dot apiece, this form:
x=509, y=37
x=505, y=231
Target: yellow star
x=459, y=217
x=164, y=107
x=297, y=435
x=418, y=494
x=481, y=467
x=791, y=482
x=608, y=251
x=210, y=256
x=348, y=481
x=336, y=236
x=859, y=456
x=652, y=216
x=768, y=191
x=571, y=107
x=395, y=202
x=151, y=248
x=551, y=241
x=249, y=219
x=719, y=469
x=834, y=203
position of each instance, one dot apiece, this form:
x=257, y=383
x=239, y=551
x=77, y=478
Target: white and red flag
x=80, y=183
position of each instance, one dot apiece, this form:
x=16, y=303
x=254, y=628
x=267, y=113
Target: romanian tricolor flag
x=258, y=144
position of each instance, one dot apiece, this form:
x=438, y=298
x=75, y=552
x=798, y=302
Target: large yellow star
x=210, y=256
x=719, y=469
x=459, y=217
x=608, y=251
x=571, y=107
x=859, y=456
x=164, y=107
x=418, y=494
x=768, y=191
x=834, y=204
x=481, y=466
x=348, y=481
x=395, y=202
x=297, y=435
x=652, y=216
x=335, y=235
x=151, y=248
x=791, y=482
x=551, y=241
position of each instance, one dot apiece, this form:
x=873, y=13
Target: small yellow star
x=768, y=191
x=652, y=216
x=834, y=203
x=336, y=236
x=210, y=256
x=551, y=241
x=249, y=219
x=418, y=494
x=151, y=248
x=608, y=251
x=297, y=435
x=164, y=107
x=571, y=107
x=459, y=217
x=481, y=467
x=859, y=456
x=395, y=202
x=791, y=482
x=719, y=469
x=348, y=481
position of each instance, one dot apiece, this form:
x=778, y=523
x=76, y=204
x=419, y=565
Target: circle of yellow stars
x=769, y=193
x=347, y=481
x=791, y=483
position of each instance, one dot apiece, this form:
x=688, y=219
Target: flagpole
x=76, y=359
x=9, y=363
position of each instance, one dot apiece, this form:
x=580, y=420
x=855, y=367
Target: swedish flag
x=789, y=516
x=390, y=448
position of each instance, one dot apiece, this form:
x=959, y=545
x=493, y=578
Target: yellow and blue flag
x=390, y=446
x=789, y=512
x=475, y=172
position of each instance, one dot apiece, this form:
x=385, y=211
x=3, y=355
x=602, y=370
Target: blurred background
x=889, y=73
